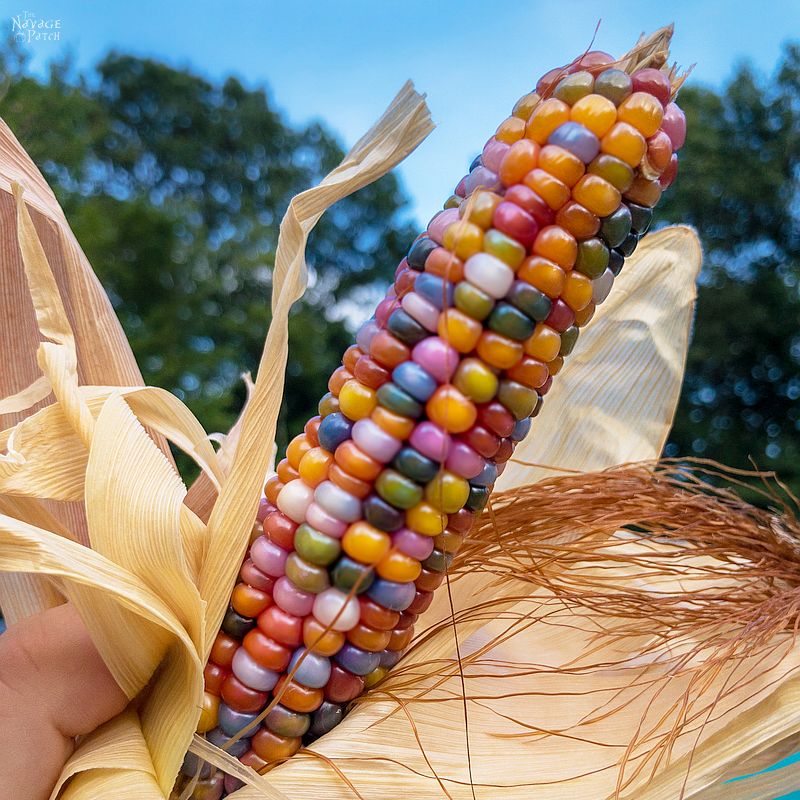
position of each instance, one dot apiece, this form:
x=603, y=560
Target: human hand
x=54, y=686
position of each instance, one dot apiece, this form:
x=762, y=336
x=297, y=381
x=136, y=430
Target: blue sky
x=343, y=61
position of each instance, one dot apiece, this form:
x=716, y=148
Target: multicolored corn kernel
x=375, y=497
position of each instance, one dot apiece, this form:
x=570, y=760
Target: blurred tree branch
x=175, y=186
x=738, y=185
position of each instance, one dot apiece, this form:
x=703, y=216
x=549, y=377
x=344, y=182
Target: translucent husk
x=562, y=689
x=103, y=353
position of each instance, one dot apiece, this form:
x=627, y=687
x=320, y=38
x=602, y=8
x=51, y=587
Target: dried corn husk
x=153, y=587
x=156, y=573
x=103, y=353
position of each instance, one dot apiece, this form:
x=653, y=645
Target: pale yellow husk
x=154, y=585
x=104, y=356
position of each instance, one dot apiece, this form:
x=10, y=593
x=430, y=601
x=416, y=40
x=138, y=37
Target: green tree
x=175, y=186
x=738, y=184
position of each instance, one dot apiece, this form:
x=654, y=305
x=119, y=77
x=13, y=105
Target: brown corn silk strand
x=737, y=563
x=189, y=788
x=566, y=538
x=202, y=492
x=649, y=51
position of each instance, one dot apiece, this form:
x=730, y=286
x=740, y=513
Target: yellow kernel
x=394, y=424
x=447, y=492
x=314, y=466
x=498, y=351
x=595, y=112
x=296, y=449
x=451, y=410
x=366, y=544
x=425, y=519
x=479, y=207
x=523, y=108
x=643, y=111
x=543, y=274
x=459, y=330
x=544, y=344
x=464, y=239
x=577, y=292
x=624, y=142
x=597, y=194
x=545, y=118
x=561, y=164
x=397, y=566
x=475, y=380
x=357, y=401
x=552, y=190
x=510, y=130
x=208, y=713
x=558, y=245
x=521, y=158
x=374, y=677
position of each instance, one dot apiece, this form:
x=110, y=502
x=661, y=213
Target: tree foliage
x=738, y=185
x=175, y=186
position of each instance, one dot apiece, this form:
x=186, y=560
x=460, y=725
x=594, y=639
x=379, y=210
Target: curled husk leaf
x=153, y=583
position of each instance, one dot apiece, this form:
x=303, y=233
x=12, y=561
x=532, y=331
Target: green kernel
x=396, y=489
x=518, y=399
x=592, y=258
x=504, y=247
x=530, y=300
x=329, y=404
x=472, y=301
x=574, y=87
x=641, y=216
x=393, y=398
x=614, y=84
x=414, y=465
x=568, y=340
x=615, y=227
x=286, y=722
x=438, y=561
x=305, y=576
x=315, y=547
x=406, y=328
x=478, y=498
x=347, y=574
x=614, y=170
x=510, y=321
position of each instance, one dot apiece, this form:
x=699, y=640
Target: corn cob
x=373, y=499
